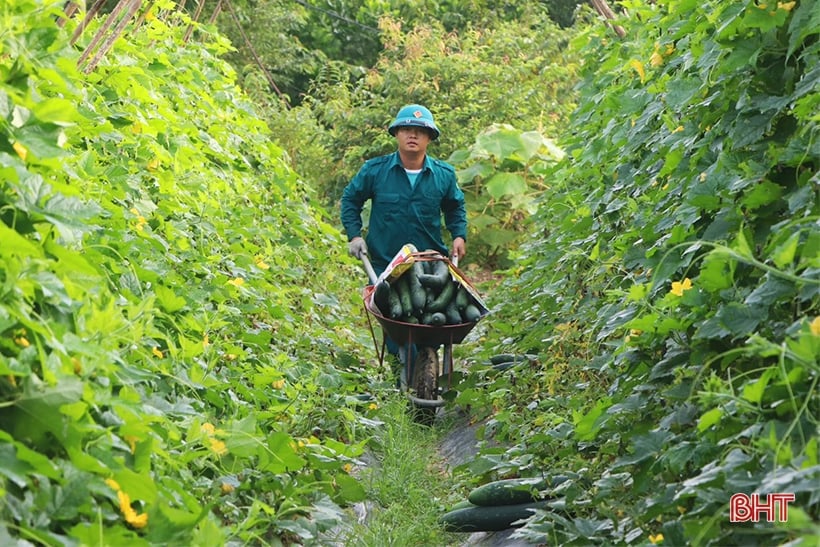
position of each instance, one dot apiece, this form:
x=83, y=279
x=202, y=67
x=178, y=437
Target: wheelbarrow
x=419, y=377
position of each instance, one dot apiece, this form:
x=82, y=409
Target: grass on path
x=406, y=484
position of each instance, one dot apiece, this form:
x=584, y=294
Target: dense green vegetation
x=671, y=291
x=296, y=41
x=182, y=347
x=172, y=373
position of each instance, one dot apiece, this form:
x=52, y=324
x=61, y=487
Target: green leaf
x=482, y=221
x=762, y=194
x=716, y=272
x=637, y=292
x=805, y=21
x=39, y=405
x=645, y=446
x=15, y=244
x=282, y=456
x=741, y=245
x=168, y=299
x=764, y=16
x=587, y=425
x=56, y=110
x=95, y=532
x=12, y=468
x=740, y=319
x=44, y=140
x=500, y=141
x=784, y=254
x=710, y=418
x=480, y=170
x=770, y=291
x=504, y=184
x=671, y=161
x=349, y=489
x=38, y=463
x=497, y=237
x=753, y=391
x=139, y=486
x=242, y=440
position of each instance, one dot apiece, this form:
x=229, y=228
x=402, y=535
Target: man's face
x=412, y=139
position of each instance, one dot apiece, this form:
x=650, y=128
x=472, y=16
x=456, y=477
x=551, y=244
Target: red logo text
x=750, y=507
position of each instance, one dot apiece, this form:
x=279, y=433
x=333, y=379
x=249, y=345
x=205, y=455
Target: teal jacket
x=400, y=213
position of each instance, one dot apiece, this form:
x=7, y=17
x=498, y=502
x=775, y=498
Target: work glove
x=357, y=247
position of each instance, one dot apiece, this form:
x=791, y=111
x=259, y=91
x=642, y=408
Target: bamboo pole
x=109, y=42
x=197, y=14
x=90, y=14
x=253, y=52
x=603, y=8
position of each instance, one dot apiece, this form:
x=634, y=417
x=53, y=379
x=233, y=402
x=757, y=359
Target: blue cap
x=414, y=115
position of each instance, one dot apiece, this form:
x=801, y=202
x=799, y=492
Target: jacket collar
x=395, y=161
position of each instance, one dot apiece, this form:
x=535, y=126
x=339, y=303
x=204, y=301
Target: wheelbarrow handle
x=371, y=273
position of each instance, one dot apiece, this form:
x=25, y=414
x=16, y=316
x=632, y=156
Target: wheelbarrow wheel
x=425, y=383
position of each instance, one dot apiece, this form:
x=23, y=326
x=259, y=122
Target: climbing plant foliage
x=670, y=288
x=161, y=376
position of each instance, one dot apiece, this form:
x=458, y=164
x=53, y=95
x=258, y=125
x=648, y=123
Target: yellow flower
x=113, y=484
x=678, y=129
x=131, y=516
x=815, y=326
x=261, y=264
x=655, y=539
x=656, y=59
x=22, y=341
x=125, y=501
x=226, y=488
x=206, y=342
x=21, y=150
x=678, y=287
x=157, y=353
x=372, y=406
x=638, y=66
x=135, y=520
x=208, y=428
x=218, y=447
x=278, y=384
x=132, y=442
x=787, y=6
x=348, y=468
x=237, y=282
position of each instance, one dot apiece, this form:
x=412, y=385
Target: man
x=409, y=191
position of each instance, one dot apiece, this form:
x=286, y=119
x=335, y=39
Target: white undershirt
x=412, y=174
